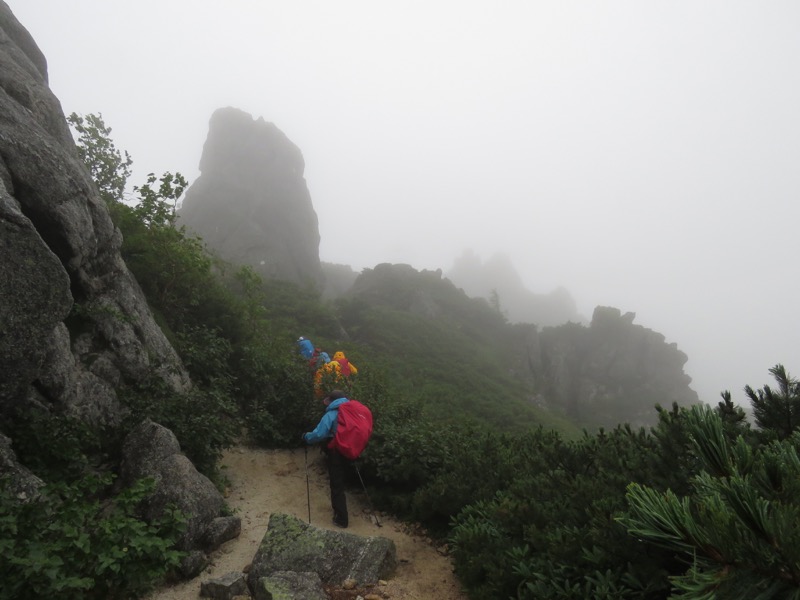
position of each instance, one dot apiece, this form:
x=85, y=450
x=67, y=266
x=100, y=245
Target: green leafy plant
x=71, y=543
x=109, y=167
x=53, y=445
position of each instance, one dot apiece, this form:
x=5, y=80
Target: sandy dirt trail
x=267, y=481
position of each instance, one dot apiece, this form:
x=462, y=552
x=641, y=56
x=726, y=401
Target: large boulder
x=59, y=258
x=251, y=203
x=152, y=451
x=335, y=556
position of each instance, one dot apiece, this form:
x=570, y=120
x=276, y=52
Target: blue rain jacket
x=326, y=428
x=306, y=348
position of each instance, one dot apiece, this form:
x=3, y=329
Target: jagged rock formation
x=251, y=204
x=612, y=369
x=227, y=587
x=497, y=280
x=74, y=324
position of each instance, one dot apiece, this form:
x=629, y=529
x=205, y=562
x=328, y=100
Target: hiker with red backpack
x=345, y=427
x=346, y=368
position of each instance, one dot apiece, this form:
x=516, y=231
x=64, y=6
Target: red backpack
x=354, y=426
x=344, y=364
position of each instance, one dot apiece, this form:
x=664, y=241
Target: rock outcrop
x=59, y=257
x=292, y=545
x=612, y=371
x=251, y=204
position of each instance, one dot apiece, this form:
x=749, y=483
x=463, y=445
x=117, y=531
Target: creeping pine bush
x=70, y=544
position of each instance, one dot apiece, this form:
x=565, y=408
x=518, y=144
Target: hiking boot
x=340, y=523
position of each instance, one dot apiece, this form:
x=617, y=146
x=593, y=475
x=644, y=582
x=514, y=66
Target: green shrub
x=550, y=529
x=69, y=543
x=54, y=445
x=274, y=391
x=205, y=421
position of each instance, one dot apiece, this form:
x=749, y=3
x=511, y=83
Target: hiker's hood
x=336, y=404
x=339, y=355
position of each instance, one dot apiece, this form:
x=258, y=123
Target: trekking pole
x=371, y=507
x=308, y=487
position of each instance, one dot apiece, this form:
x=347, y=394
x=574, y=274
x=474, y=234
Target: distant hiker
x=345, y=427
x=319, y=358
x=327, y=376
x=305, y=346
x=346, y=368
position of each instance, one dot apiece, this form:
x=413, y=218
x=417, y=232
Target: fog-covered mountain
x=497, y=280
x=608, y=371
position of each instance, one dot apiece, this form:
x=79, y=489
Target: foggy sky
x=642, y=154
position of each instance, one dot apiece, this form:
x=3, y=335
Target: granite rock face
x=74, y=324
x=59, y=257
x=251, y=204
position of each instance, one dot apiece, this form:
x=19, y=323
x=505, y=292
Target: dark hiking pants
x=336, y=466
